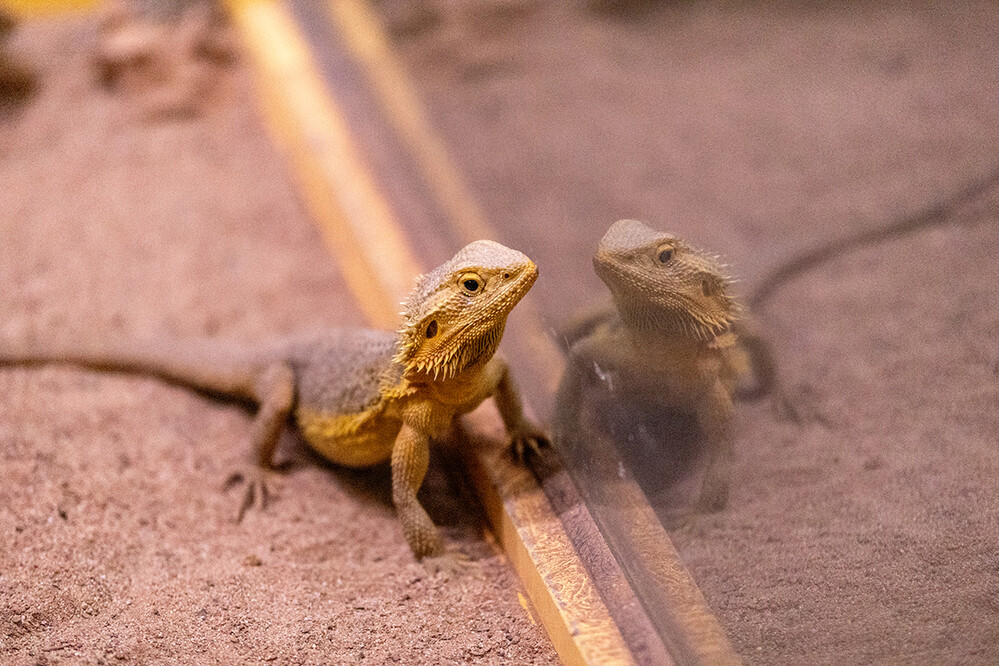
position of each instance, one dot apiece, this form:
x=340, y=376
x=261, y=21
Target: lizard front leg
x=587, y=364
x=274, y=391
x=568, y=401
x=523, y=433
x=714, y=418
x=410, y=459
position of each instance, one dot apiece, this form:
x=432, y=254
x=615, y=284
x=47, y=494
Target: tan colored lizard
x=675, y=335
x=672, y=336
x=361, y=397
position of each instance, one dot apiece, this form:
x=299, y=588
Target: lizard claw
x=797, y=411
x=714, y=497
x=527, y=439
x=258, y=493
x=451, y=563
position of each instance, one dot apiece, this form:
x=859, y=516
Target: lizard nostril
x=506, y=276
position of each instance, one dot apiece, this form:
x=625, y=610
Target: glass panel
x=760, y=134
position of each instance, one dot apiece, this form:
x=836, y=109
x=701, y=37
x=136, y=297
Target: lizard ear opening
x=431, y=329
x=712, y=286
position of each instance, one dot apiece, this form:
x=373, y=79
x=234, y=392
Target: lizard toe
x=521, y=447
x=529, y=439
x=450, y=564
x=259, y=493
x=798, y=410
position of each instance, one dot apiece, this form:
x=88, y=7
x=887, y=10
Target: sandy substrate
x=756, y=132
x=117, y=544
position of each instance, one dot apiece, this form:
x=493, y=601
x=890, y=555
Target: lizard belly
x=352, y=440
x=339, y=410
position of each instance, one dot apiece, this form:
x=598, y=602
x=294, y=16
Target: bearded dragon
x=673, y=335
x=361, y=397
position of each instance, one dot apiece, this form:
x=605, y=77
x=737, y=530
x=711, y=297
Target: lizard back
x=341, y=371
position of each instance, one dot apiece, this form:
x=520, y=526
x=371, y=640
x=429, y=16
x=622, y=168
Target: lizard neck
x=673, y=327
x=672, y=344
x=465, y=355
x=454, y=390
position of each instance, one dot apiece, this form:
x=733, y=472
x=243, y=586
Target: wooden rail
x=40, y=8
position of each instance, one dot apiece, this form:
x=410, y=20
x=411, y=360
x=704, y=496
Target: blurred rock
x=170, y=59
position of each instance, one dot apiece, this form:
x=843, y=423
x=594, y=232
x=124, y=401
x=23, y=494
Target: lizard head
x=660, y=283
x=454, y=317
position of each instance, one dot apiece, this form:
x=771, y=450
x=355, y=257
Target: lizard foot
x=451, y=563
x=258, y=493
x=714, y=496
x=799, y=411
x=527, y=439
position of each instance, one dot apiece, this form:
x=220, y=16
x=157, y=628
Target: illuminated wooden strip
x=355, y=219
x=541, y=552
x=43, y=8
x=363, y=234
x=366, y=40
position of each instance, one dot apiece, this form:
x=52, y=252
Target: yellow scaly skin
x=361, y=397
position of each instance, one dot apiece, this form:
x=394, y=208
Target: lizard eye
x=471, y=282
x=665, y=254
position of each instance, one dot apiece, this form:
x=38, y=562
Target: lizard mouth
x=665, y=310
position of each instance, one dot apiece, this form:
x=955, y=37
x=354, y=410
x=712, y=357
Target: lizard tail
x=213, y=367
x=934, y=215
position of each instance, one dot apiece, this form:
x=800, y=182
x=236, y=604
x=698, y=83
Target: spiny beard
x=456, y=357
x=677, y=319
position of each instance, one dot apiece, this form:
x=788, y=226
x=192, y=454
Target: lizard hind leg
x=274, y=391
